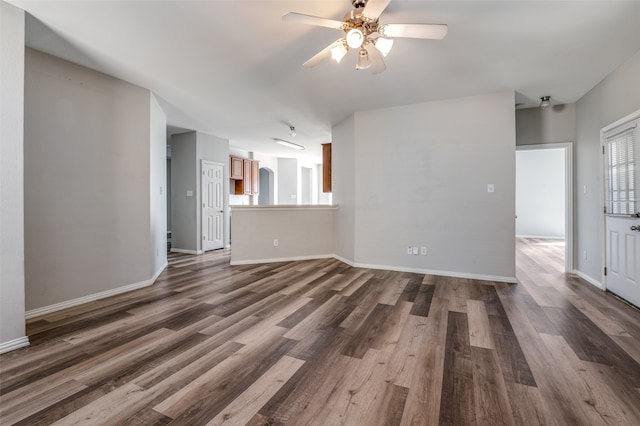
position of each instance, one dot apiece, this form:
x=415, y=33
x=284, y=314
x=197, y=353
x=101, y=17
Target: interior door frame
x=568, y=194
x=603, y=221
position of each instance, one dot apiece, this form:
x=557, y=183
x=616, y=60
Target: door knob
x=635, y=228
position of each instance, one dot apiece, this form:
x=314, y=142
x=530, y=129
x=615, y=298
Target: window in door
x=621, y=175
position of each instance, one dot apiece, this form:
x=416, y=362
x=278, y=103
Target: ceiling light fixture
x=355, y=38
x=289, y=144
x=338, y=52
x=384, y=45
x=292, y=131
x=363, y=60
x=545, y=102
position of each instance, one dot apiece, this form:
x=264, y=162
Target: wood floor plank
x=492, y=405
x=457, y=404
x=247, y=405
x=479, y=328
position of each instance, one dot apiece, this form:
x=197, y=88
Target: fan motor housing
x=359, y=3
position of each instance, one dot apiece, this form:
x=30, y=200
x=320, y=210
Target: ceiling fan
x=365, y=34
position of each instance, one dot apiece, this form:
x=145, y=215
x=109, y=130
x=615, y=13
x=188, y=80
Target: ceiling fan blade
x=374, y=8
x=312, y=20
x=376, y=58
x=429, y=31
x=322, y=55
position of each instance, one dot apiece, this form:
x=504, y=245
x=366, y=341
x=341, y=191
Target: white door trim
x=568, y=201
x=633, y=116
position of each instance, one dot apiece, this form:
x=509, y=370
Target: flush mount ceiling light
x=545, y=102
x=363, y=31
x=292, y=131
x=289, y=144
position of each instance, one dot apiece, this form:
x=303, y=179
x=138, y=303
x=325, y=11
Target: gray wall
x=157, y=186
x=184, y=232
x=549, y=125
x=88, y=175
x=302, y=232
x=613, y=98
x=287, y=181
x=421, y=176
x=343, y=183
x=12, y=305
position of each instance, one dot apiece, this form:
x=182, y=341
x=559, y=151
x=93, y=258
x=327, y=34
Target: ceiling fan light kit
x=363, y=31
x=355, y=38
x=363, y=60
x=384, y=45
x=338, y=52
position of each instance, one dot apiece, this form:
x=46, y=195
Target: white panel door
x=623, y=257
x=212, y=206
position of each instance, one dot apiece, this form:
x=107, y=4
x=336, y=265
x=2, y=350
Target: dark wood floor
x=321, y=343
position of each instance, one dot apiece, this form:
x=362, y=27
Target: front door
x=623, y=257
x=212, y=206
x=621, y=147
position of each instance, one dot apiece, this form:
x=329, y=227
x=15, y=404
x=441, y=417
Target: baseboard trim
x=542, y=237
x=177, y=250
x=282, y=259
x=481, y=277
x=351, y=263
x=14, y=344
x=93, y=297
x=588, y=279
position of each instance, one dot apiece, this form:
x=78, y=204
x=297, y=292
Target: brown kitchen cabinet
x=247, y=181
x=236, y=168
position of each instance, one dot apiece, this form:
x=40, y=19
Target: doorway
x=266, y=195
x=544, y=194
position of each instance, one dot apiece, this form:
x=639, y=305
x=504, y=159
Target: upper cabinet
x=326, y=167
x=246, y=175
x=236, y=168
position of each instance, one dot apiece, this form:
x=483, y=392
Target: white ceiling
x=234, y=69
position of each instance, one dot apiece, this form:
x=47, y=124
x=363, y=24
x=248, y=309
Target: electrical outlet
x=415, y=250
x=275, y=242
x=409, y=250
x=423, y=250
x=490, y=187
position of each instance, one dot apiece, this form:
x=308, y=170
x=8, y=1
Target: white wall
x=87, y=182
x=540, y=193
x=12, y=301
x=613, y=98
x=157, y=186
x=421, y=176
x=288, y=177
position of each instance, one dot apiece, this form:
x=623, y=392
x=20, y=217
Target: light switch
x=189, y=193
x=490, y=187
